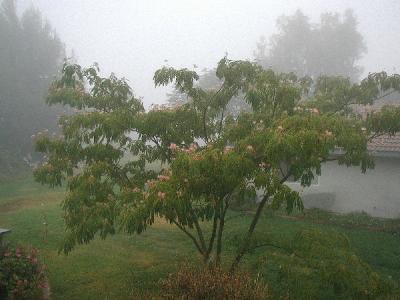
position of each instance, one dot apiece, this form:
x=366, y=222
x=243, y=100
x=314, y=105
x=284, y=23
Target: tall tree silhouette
x=331, y=47
x=30, y=56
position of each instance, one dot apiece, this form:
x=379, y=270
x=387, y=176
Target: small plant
x=21, y=274
x=212, y=283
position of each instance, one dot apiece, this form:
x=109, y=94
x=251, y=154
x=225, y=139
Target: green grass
x=123, y=267
x=27, y=188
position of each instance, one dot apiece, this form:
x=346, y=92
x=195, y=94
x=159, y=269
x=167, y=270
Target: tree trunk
x=212, y=239
x=246, y=242
x=219, y=237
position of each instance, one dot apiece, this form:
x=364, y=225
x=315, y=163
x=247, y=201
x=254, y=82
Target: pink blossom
x=227, y=149
x=249, y=148
x=315, y=111
x=172, y=147
x=161, y=195
x=163, y=177
x=150, y=183
x=18, y=252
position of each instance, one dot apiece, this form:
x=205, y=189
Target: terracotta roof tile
x=385, y=143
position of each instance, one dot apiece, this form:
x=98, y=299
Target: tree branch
x=375, y=135
x=384, y=95
x=213, y=234
x=155, y=141
x=278, y=247
x=246, y=241
x=221, y=122
x=286, y=177
x=205, y=124
x=190, y=236
x=200, y=233
x=221, y=227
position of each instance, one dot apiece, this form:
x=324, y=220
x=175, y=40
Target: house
x=347, y=189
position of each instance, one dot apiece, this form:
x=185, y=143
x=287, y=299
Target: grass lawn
x=122, y=266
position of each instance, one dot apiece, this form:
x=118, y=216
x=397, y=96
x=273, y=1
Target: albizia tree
x=209, y=157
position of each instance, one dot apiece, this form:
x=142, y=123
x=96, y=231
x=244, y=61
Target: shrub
x=21, y=274
x=212, y=283
x=321, y=265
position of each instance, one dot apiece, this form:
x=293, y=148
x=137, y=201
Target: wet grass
x=130, y=267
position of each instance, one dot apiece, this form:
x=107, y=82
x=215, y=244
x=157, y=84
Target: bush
x=21, y=275
x=213, y=283
x=321, y=265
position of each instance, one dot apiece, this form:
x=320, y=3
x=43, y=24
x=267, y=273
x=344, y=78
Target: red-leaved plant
x=21, y=274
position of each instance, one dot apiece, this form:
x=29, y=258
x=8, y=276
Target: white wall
x=343, y=189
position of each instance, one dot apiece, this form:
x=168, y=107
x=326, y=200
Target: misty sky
x=133, y=38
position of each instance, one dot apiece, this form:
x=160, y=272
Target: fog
x=134, y=38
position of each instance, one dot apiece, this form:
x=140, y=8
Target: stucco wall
x=343, y=189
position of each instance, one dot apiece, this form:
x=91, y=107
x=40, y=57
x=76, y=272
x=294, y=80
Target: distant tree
x=30, y=56
x=211, y=158
x=331, y=47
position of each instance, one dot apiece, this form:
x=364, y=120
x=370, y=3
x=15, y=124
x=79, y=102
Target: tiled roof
x=385, y=143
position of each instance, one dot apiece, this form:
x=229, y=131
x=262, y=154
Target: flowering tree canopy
x=209, y=156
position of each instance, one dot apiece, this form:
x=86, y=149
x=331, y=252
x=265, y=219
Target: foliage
x=208, y=158
x=212, y=283
x=209, y=80
x=30, y=56
x=321, y=265
x=330, y=47
x=338, y=94
x=21, y=275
